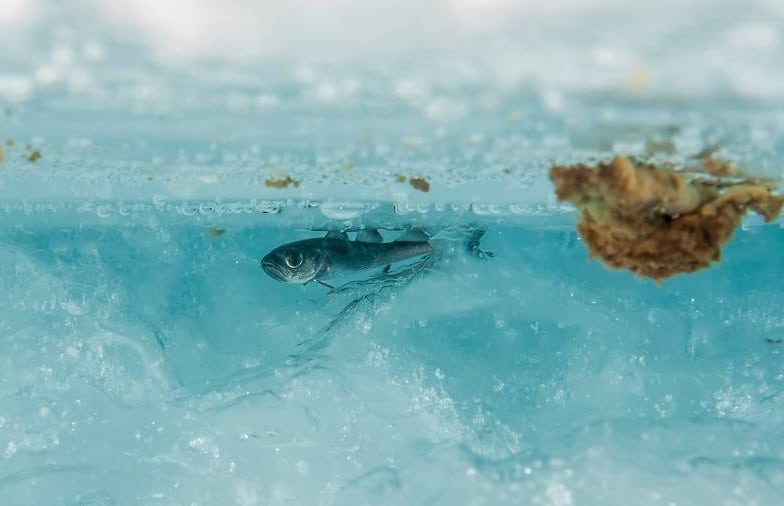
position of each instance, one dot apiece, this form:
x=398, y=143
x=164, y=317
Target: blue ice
x=145, y=357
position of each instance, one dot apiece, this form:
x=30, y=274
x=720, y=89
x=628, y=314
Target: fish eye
x=293, y=260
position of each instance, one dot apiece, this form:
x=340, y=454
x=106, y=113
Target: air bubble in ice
x=187, y=210
x=343, y=210
x=159, y=201
x=485, y=209
x=521, y=209
x=403, y=208
x=268, y=207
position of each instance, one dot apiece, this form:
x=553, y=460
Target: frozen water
x=153, y=365
x=145, y=358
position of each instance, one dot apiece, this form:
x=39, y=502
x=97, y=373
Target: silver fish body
x=320, y=258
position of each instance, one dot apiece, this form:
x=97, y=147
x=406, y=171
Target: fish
x=317, y=259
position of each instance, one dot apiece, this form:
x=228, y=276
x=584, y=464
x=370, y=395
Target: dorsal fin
x=334, y=234
x=413, y=235
x=369, y=235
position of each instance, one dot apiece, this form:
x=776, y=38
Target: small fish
x=316, y=259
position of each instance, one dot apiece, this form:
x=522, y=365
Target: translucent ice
x=145, y=358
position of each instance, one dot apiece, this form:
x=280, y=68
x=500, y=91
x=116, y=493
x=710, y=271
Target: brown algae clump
x=34, y=156
x=657, y=222
x=419, y=183
x=282, y=183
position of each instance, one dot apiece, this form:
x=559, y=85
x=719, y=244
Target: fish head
x=294, y=263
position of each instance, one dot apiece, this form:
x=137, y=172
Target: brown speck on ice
x=400, y=178
x=638, y=79
x=282, y=183
x=2, y=156
x=657, y=222
x=216, y=231
x=34, y=156
x=420, y=184
x=9, y=142
x=718, y=167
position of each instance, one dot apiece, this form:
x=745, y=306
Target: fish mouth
x=273, y=271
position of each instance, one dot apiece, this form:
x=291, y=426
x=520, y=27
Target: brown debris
x=718, y=167
x=656, y=222
x=34, y=156
x=710, y=163
x=216, y=231
x=420, y=184
x=2, y=156
x=400, y=178
x=282, y=183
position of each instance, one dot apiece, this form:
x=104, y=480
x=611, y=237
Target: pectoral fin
x=334, y=234
x=325, y=284
x=369, y=235
x=472, y=245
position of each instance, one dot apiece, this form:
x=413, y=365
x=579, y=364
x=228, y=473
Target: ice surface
x=479, y=97
x=145, y=358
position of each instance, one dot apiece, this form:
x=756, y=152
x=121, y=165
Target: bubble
x=187, y=210
x=159, y=201
x=523, y=210
x=205, y=446
x=10, y=449
x=403, y=208
x=485, y=209
x=268, y=207
x=343, y=210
